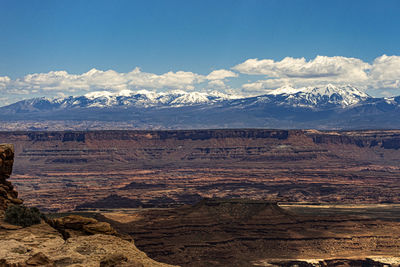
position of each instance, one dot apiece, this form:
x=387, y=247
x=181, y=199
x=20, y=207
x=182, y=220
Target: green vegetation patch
x=23, y=216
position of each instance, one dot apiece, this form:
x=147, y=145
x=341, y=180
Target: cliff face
x=367, y=139
x=77, y=136
x=7, y=193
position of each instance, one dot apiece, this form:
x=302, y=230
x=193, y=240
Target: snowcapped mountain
x=320, y=97
x=123, y=99
x=308, y=97
x=325, y=107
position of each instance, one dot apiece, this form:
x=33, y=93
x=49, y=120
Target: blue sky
x=38, y=37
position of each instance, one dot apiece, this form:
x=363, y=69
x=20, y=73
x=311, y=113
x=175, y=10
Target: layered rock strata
x=63, y=171
x=7, y=193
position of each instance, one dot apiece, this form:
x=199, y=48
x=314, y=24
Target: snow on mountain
x=193, y=98
x=128, y=98
x=322, y=96
x=285, y=90
x=200, y=98
x=316, y=98
x=99, y=94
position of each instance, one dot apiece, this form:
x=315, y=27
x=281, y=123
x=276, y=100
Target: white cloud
x=53, y=80
x=217, y=79
x=221, y=74
x=111, y=80
x=383, y=73
x=217, y=83
x=320, y=67
x=4, y=81
x=173, y=80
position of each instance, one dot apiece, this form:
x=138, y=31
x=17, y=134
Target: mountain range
x=325, y=107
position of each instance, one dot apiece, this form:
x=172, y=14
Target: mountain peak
x=330, y=89
x=320, y=96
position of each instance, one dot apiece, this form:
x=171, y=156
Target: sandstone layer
x=42, y=245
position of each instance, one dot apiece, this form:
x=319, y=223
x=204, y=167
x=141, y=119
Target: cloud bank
x=109, y=80
x=379, y=77
x=382, y=74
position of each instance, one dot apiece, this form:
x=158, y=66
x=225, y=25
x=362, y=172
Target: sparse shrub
x=22, y=215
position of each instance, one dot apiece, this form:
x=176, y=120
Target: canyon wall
x=77, y=169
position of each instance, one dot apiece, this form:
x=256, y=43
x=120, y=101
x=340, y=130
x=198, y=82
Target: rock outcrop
x=42, y=245
x=75, y=225
x=68, y=241
x=7, y=193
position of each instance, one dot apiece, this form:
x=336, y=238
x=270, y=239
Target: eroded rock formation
x=75, y=225
x=7, y=193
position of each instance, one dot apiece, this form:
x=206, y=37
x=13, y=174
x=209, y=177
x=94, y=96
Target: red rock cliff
x=7, y=193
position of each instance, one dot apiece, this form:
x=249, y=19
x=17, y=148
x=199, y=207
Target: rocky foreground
x=67, y=241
